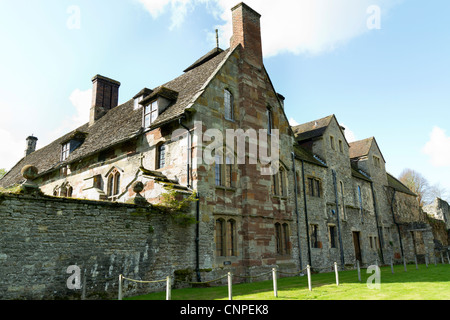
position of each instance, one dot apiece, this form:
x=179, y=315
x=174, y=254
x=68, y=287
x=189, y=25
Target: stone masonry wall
x=40, y=237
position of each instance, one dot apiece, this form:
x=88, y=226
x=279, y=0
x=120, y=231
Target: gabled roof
x=315, y=129
x=303, y=154
x=311, y=129
x=361, y=148
x=398, y=185
x=121, y=123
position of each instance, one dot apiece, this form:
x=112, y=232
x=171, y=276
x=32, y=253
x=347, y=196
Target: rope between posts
x=140, y=281
x=199, y=283
x=253, y=277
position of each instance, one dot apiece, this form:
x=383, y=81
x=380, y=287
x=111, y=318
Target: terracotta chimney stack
x=247, y=32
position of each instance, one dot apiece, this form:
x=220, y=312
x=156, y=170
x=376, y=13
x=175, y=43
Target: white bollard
x=120, y=287
x=426, y=260
x=275, y=286
x=308, y=268
x=230, y=286
x=168, y=289
x=442, y=257
x=337, y=273
x=404, y=264
x=359, y=270
x=392, y=266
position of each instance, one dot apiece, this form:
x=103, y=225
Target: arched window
x=226, y=238
x=269, y=121
x=161, y=156
x=113, y=185
x=229, y=105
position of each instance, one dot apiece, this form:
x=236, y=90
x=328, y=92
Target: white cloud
x=349, y=134
x=438, y=148
x=293, y=123
x=299, y=27
x=11, y=149
x=81, y=101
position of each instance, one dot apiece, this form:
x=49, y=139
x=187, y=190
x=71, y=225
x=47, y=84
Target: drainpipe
x=188, y=155
x=306, y=213
x=197, y=241
x=376, y=220
x=398, y=226
x=188, y=173
x=338, y=219
x=296, y=210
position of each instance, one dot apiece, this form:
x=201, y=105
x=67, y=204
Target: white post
x=404, y=264
x=442, y=257
x=308, y=268
x=337, y=273
x=230, y=288
x=448, y=258
x=435, y=260
x=168, y=289
x=392, y=266
x=426, y=260
x=275, y=286
x=415, y=260
x=359, y=270
x=120, y=287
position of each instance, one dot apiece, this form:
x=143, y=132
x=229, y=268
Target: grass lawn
x=432, y=283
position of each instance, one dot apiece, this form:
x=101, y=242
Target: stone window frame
x=270, y=122
x=65, y=151
x=225, y=169
x=332, y=238
x=282, y=235
x=113, y=180
x=332, y=144
x=341, y=146
x=161, y=155
x=228, y=99
x=226, y=237
x=314, y=236
x=149, y=111
x=314, y=190
x=376, y=162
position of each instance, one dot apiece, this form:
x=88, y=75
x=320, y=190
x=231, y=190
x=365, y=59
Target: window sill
x=226, y=188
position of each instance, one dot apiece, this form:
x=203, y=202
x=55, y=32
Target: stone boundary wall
x=41, y=236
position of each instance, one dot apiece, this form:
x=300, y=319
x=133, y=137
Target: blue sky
x=391, y=82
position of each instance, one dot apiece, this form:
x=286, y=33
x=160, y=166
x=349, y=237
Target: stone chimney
x=105, y=96
x=31, y=145
x=247, y=32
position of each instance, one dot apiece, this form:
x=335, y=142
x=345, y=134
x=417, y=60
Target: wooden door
x=357, y=244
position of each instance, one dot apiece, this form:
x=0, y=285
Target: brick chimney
x=31, y=145
x=247, y=32
x=105, y=96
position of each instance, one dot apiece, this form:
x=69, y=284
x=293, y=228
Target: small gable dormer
x=73, y=142
x=156, y=103
x=140, y=96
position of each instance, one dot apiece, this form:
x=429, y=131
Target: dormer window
x=136, y=102
x=72, y=143
x=65, y=151
x=150, y=113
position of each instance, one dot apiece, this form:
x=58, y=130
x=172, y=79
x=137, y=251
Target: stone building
x=340, y=205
